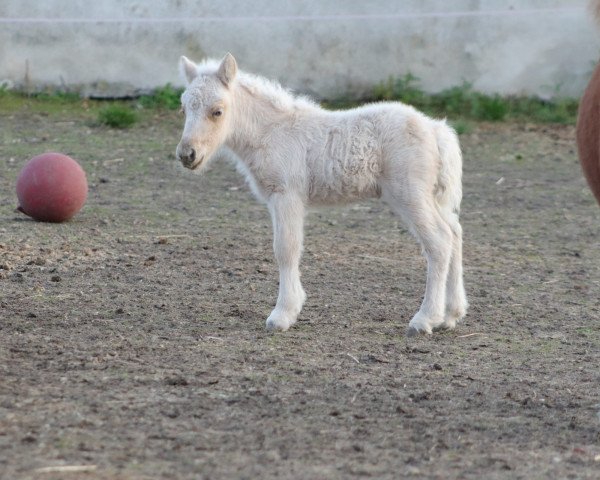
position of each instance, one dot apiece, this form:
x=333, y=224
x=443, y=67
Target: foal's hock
x=295, y=154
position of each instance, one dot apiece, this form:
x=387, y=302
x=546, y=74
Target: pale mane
x=278, y=96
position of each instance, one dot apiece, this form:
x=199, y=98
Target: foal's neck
x=253, y=116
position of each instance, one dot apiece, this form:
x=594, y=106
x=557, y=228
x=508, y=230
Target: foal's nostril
x=186, y=155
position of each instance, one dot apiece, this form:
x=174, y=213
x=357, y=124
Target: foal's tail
x=449, y=193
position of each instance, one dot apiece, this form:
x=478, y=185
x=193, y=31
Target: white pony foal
x=295, y=154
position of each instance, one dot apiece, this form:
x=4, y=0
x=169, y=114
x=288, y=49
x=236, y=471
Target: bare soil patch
x=132, y=338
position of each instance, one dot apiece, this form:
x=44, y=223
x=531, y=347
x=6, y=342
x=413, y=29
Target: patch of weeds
x=560, y=110
x=403, y=89
x=280, y=378
x=167, y=97
x=491, y=108
x=340, y=103
x=461, y=126
x=548, y=346
x=64, y=443
x=586, y=332
x=60, y=97
x=117, y=116
x=384, y=90
x=455, y=101
x=51, y=103
x=464, y=103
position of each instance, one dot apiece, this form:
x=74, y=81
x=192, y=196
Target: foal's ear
x=188, y=69
x=227, y=69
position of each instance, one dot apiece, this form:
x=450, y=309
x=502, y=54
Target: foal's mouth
x=194, y=165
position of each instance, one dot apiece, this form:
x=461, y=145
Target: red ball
x=51, y=187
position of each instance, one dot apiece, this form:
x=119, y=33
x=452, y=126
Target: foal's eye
x=182, y=110
x=217, y=113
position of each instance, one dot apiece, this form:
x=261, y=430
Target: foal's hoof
x=413, y=332
x=279, y=321
x=453, y=316
x=421, y=323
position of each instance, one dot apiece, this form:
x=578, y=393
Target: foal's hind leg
x=287, y=212
x=456, y=298
x=435, y=236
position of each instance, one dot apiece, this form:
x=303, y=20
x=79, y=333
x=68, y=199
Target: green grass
x=117, y=116
x=589, y=332
x=165, y=97
x=57, y=97
x=461, y=104
x=404, y=89
x=44, y=103
x=462, y=126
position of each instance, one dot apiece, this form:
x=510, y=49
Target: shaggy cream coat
x=295, y=154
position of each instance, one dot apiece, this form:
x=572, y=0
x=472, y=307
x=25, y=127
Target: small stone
x=17, y=277
x=177, y=381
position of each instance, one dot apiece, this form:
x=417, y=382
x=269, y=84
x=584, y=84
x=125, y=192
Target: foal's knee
x=455, y=226
x=438, y=244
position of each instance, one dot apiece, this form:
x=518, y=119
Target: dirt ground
x=132, y=338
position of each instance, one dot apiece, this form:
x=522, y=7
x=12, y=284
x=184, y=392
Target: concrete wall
x=324, y=47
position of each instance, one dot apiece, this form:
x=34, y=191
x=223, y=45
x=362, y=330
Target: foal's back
x=352, y=151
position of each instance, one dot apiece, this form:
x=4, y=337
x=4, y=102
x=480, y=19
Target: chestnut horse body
x=588, y=125
x=588, y=133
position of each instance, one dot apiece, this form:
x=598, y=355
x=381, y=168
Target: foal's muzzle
x=187, y=156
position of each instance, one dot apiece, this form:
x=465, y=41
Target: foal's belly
x=346, y=165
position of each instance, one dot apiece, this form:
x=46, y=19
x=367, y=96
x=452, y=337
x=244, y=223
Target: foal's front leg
x=287, y=213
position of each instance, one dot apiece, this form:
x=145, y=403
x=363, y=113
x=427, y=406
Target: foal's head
x=206, y=103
